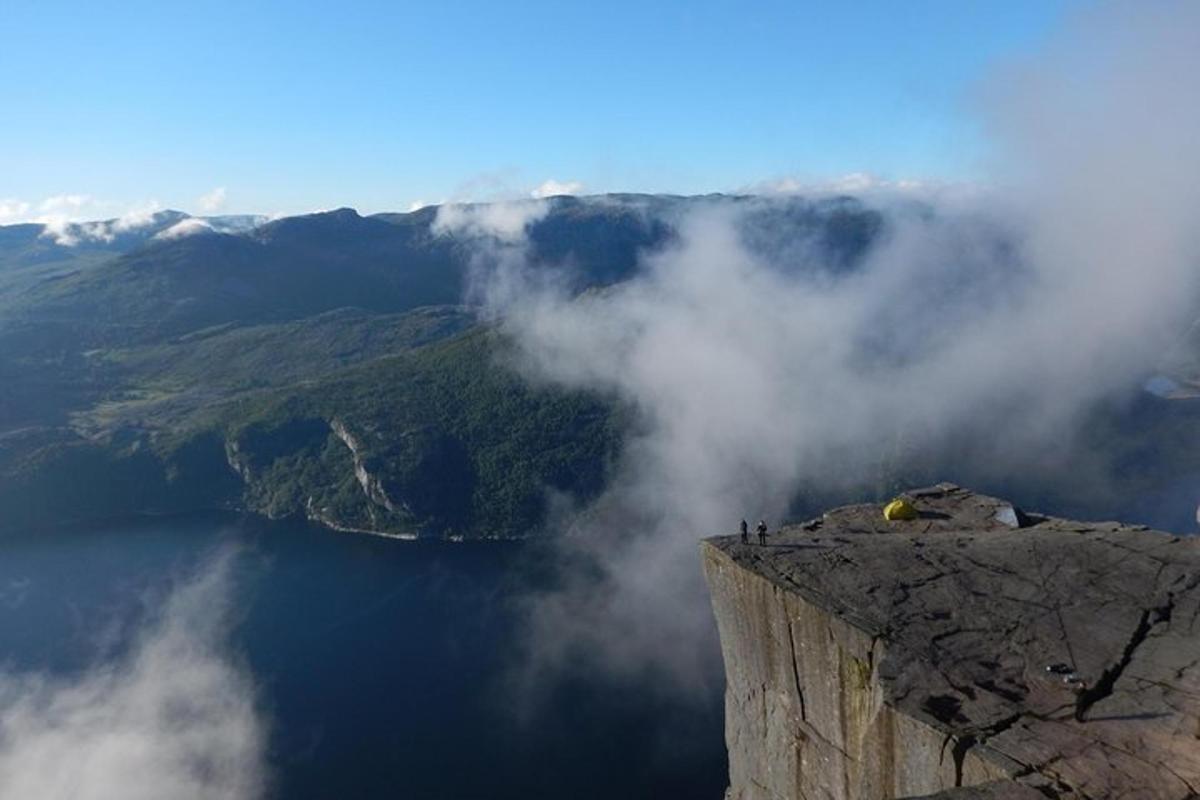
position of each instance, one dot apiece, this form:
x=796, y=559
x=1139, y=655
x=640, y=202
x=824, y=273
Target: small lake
x=381, y=665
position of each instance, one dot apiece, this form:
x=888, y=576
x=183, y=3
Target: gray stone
x=997, y=790
x=875, y=659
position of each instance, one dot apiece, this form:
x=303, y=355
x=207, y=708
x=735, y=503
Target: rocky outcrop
x=237, y=461
x=974, y=652
x=371, y=485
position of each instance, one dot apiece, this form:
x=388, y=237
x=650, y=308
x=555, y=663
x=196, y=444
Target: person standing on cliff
x=762, y=532
x=745, y=533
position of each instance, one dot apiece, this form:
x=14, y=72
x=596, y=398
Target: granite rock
x=976, y=646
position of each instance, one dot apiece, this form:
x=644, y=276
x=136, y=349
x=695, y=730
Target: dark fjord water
x=380, y=663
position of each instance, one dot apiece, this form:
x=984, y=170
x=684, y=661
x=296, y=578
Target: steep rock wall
x=805, y=715
x=973, y=651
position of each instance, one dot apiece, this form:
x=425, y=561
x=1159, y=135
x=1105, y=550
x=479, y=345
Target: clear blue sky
x=302, y=105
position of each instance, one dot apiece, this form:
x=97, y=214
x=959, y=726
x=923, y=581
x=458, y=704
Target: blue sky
x=295, y=106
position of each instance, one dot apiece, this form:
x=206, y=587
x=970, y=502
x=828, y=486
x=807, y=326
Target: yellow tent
x=899, y=509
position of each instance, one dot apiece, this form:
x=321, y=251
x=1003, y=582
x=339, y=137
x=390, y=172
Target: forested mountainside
x=332, y=366
x=321, y=365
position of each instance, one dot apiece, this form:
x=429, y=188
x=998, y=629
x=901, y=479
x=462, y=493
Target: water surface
x=381, y=664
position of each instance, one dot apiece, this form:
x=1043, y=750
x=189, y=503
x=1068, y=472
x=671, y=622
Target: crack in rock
x=1103, y=687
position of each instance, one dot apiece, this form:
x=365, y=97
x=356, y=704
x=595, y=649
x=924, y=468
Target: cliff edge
x=973, y=652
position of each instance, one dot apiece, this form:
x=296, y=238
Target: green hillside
x=446, y=439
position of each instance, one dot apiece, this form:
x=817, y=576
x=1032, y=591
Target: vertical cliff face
x=973, y=652
x=805, y=710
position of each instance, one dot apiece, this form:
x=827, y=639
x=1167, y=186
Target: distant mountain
x=164, y=285
x=35, y=254
x=35, y=244
x=235, y=223
x=417, y=431
x=322, y=365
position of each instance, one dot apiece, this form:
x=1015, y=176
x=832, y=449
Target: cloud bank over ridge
x=752, y=379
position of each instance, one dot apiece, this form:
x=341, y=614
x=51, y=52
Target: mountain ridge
x=143, y=370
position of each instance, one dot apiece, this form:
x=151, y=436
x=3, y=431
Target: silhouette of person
x=762, y=532
x=745, y=533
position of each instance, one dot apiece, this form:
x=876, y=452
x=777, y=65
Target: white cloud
x=855, y=183
x=176, y=717
x=239, y=223
x=213, y=201
x=137, y=217
x=65, y=203
x=753, y=379
x=62, y=231
x=64, y=219
x=503, y=221
x=505, y=186
x=12, y=210
x=58, y=213
x=187, y=227
x=551, y=188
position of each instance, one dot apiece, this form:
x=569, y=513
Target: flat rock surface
x=1067, y=652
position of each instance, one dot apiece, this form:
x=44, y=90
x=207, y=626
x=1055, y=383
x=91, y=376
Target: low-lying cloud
x=185, y=227
x=854, y=183
x=984, y=323
x=61, y=223
x=12, y=210
x=554, y=188
x=505, y=223
x=212, y=202
x=174, y=717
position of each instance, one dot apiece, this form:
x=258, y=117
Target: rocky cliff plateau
x=974, y=652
